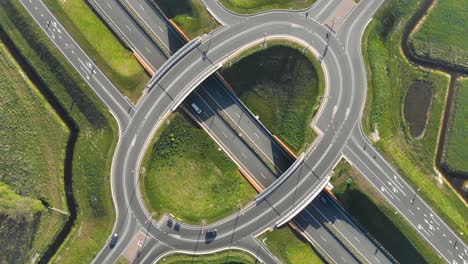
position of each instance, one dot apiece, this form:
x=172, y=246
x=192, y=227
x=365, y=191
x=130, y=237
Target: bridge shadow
x=219, y=110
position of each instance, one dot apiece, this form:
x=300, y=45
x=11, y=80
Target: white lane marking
x=263, y=175
x=110, y=7
x=146, y=48
x=323, y=238
x=411, y=212
x=128, y=28
x=243, y=155
x=160, y=29
x=142, y=8
x=357, y=239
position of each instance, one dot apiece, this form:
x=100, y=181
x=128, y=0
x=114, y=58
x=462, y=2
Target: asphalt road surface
x=337, y=120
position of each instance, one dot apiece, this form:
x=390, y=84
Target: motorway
x=338, y=121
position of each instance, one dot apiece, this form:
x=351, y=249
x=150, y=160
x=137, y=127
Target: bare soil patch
x=417, y=104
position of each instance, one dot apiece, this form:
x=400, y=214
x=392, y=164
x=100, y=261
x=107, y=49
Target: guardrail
x=145, y=27
x=316, y=245
x=317, y=189
x=172, y=61
x=281, y=179
x=110, y=23
x=364, y=230
x=339, y=236
x=226, y=118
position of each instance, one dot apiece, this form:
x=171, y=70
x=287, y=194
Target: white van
x=196, y=108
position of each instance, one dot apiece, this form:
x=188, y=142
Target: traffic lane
x=332, y=98
x=408, y=204
x=158, y=24
x=86, y=68
x=180, y=78
x=231, y=142
x=110, y=255
x=248, y=137
x=357, y=20
x=320, y=237
x=335, y=214
x=274, y=156
x=343, y=224
x=127, y=26
x=249, y=124
x=221, y=14
x=282, y=201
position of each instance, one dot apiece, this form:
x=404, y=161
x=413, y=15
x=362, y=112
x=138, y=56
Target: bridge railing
x=145, y=28
x=172, y=61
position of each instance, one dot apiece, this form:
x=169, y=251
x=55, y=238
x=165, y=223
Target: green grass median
x=190, y=16
x=225, y=257
x=281, y=85
x=372, y=211
x=94, y=37
x=188, y=175
x=92, y=152
x=289, y=247
x=389, y=77
x=255, y=6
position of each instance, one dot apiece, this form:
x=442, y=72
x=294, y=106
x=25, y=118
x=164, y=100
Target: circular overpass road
x=336, y=120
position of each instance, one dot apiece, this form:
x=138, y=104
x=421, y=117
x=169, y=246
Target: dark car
x=210, y=236
x=113, y=240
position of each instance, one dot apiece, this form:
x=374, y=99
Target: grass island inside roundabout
x=184, y=171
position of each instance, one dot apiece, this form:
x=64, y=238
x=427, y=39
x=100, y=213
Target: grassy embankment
x=116, y=62
x=281, y=85
x=93, y=149
x=186, y=174
x=372, y=211
x=32, y=151
x=225, y=257
x=442, y=36
x=255, y=6
x=457, y=152
x=389, y=76
x=289, y=247
x=190, y=16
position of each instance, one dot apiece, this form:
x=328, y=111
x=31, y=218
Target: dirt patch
x=417, y=104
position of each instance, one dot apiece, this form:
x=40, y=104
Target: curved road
x=337, y=120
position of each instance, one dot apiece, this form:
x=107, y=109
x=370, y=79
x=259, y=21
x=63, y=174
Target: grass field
x=443, y=36
x=457, y=152
x=186, y=174
x=93, y=150
x=389, y=77
x=117, y=63
x=225, y=257
x=21, y=218
x=255, y=6
x=371, y=210
x=289, y=247
x=281, y=86
x=32, y=151
x=190, y=16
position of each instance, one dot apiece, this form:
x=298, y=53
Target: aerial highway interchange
x=291, y=186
